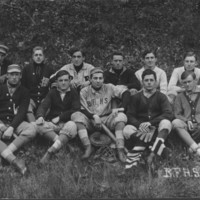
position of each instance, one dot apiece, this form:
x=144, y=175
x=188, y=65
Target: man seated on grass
x=149, y=116
x=175, y=83
x=187, y=112
x=79, y=70
x=56, y=126
x=14, y=101
x=96, y=109
x=150, y=60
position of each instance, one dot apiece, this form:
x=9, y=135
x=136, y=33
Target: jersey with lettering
x=99, y=102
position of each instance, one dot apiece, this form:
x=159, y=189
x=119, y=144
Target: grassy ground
x=66, y=176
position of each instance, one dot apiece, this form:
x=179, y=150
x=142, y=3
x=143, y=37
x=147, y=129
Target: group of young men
x=140, y=107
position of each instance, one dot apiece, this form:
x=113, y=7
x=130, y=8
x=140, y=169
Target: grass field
x=66, y=176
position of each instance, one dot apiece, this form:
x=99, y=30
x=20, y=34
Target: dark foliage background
x=101, y=26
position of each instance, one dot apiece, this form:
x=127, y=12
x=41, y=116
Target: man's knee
x=129, y=130
x=177, y=123
x=121, y=117
x=29, y=130
x=69, y=129
x=78, y=117
x=165, y=124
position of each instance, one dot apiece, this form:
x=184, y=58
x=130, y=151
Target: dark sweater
x=33, y=82
x=127, y=77
x=58, y=107
x=19, y=101
x=153, y=109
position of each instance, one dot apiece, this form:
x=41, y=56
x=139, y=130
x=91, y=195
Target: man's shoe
x=88, y=152
x=45, y=159
x=20, y=166
x=121, y=155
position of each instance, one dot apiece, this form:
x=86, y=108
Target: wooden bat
x=112, y=136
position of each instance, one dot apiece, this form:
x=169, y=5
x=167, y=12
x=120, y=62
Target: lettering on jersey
x=86, y=78
x=94, y=102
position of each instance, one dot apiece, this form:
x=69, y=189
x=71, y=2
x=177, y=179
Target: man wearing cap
x=96, y=109
x=35, y=78
x=14, y=101
x=79, y=70
x=4, y=62
x=62, y=101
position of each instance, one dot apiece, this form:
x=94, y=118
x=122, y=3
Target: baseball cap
x=96, y=70
x=14, y=68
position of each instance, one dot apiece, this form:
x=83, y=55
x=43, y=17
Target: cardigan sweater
x=152, y=109
x=34, y=84
x=126, y=77
x=185, y=109
x=13, y=108
x=58, y=107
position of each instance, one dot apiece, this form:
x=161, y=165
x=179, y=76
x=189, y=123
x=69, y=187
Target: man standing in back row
x=79, y=70
x=35, y=78
x=150, y=59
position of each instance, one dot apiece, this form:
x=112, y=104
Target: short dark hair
x=190, y=53
x=148, y=72
x=117, y=53
x=75, y=49
x=147, y=51
x=62, y=73
x=185, y=74
x=38, y=48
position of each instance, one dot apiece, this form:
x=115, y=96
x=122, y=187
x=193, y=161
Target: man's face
x=190, y=63
x=63, y=82
x=2, y=56
x=77, y=58
x=38, y=56
x=117, y=62
x=189, y=83
x=150, y=60
x=149, y=82
x=97, y=80
x=14, y=78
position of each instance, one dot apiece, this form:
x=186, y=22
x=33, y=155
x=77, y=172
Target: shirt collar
x=149, y=94
x=73, y=68
x=112, y=71
x=61, y=92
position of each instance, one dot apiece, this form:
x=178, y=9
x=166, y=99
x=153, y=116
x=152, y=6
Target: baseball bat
x=109, y=133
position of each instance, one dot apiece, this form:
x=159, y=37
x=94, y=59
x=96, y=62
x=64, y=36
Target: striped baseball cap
x=14, y=68
x=96, y=70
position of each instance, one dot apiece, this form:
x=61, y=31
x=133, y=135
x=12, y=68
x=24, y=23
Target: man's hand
x=115, y=111
x=40, y=121
x=144, y=127
x=45, y=82
x=55, y=120
x=190, y=126
x=8, y=133
x=2, y=78
x=75, y=83
x=97, y=122
x=84, y=84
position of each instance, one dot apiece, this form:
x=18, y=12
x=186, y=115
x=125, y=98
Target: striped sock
x=134, y=156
